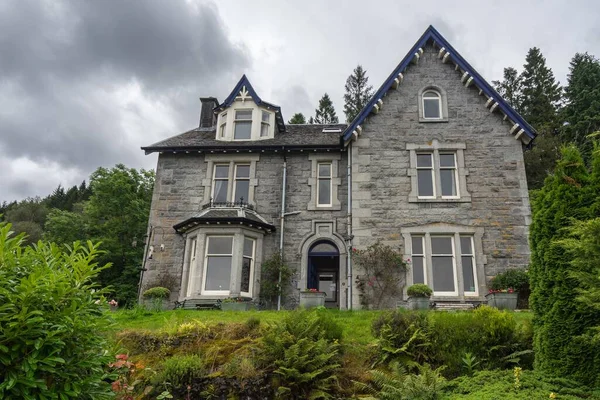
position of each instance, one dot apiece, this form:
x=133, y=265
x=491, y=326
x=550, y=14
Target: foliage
x=568, y=194
x=510, y=88
x=500, y=384
x=64, y=227
x=442, y=339
x=157, y=293
x=470, y=362
x=304, y=351
x=582, y=97
x=400, y=385
x=297, y=118
x=516, y=279
x=271, y=270
x=419, y=290
x=358, y=93
x=51, y=344
x=180, y=370
x=383, y=273
x=325, y=114
x=28, y=216
x=129, y=383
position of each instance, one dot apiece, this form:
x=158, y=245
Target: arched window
x=432, y=105
x=323, y=248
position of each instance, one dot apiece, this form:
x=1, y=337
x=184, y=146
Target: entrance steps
x=439, y=306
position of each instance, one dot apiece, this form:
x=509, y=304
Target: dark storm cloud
x=65, y=66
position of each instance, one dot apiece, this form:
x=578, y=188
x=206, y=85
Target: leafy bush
x=303, y=349
x=157, y=293
x=271, y=270
x=491, y=336
x=400, y=385
x=51, y=344
x=180, y=371
x=516, y=279
x=419, y=290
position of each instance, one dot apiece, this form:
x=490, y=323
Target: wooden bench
x=199, y=304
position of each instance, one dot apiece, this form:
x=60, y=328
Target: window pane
x=443, y=274
x=323, y=248
x=243, y=114
x=446, y=160
x=431, y=95
x=246, y=266
x=425, y=182
x=417, y=245
x=441, y=245
x=248, y=247
x=424, y=160
x=243, y=130
x=222, y=130
x=447, y=176
x=220, y=192
x=324, y=170
x=418, y=274
x=219, y=245
x=221, y=171
x=218, y=273
x=265, y=116
x=324, y=191
x=468, y=278
x=431, y=108
x=264, y=130
x=241, y=191
x=465, y=245
x=242, y=171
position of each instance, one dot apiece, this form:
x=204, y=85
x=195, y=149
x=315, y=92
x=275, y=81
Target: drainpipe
x=349, y=229
x=281, y=219
x=149, y=233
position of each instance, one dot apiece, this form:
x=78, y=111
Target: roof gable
x=245, y=87
x=520, y=128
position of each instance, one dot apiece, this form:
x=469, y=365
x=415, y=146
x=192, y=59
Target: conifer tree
x=311, y=121
x=358, y=93
x=582, y=109
x=510, y=88
x=297, y=118
x=325, y=114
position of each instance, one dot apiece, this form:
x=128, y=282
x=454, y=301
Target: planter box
x=241, y=306
x=156, y=304
x=418, y=303
x=502, y=301
x=312, y=299
x=114, y=308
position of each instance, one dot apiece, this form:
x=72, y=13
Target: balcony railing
x=241, y=203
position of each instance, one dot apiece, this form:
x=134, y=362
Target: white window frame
x=234, y=197
x=266, y=123
x=454, y=269
x=423, y=255
x=454, y=175
x=252, y=259
x=223, y=126
x=439, y=99
x=432, y=169
x=215, y=179
x=236, y=120
x=205, y=266
x=473, y=263
x=327, y=179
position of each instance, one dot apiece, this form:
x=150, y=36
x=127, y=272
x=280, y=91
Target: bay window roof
x=225, y=216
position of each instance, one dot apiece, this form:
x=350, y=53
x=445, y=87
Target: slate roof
x=225, y=216
x=295, y=137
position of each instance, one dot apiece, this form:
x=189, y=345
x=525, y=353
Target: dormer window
x=223, y=125
x=432, y=105
x=242, y=125
x=265, y=124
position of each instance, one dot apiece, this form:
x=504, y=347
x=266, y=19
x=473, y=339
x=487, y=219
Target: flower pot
x=312, y=299
x=113, y=308
x=418, y=303
x=156, y=304
x=241, y=306
x=502, y=301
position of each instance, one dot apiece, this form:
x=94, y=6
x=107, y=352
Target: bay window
x=265, y=124
x=242, y=125
x=247, y=266
x=217, y=265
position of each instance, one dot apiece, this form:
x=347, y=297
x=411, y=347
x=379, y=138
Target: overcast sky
x=84, y=84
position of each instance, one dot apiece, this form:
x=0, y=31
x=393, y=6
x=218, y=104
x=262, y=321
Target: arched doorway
x=323, y=271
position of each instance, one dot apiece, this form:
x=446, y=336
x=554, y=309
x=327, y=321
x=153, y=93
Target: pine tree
x=311, y=121
x=325, y=114
x=358, y=93
x=582, y=110
x=510, y=88
x=297, y=118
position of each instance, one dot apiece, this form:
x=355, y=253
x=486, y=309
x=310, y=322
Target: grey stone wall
x=494, y=159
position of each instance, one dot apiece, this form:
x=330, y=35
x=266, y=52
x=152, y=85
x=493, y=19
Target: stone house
x=432, y=165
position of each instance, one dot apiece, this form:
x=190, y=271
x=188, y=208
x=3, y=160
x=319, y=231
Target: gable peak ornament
x=244, y=94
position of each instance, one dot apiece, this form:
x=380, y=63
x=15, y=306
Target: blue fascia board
x=255, y=97
x=432, y=34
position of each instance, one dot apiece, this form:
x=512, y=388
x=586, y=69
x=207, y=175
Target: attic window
x=265, y=123
x=332, y=130
x=242, y=125
x=432, y=105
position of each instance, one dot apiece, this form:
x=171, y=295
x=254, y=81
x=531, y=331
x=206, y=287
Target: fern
x=399, y=385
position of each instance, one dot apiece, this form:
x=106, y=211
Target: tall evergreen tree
x=297, y=118
x=510, y=88
x=311, y=121
x=325, y=114
x=582, y=109
x=358, y=93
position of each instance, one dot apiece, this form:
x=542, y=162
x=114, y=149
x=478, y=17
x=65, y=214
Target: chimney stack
x=208, y=119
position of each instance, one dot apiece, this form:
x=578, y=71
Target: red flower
x=122, y=356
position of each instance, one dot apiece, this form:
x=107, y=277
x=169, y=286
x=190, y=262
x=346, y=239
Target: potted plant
x=113, y=305
x=235, y=304
x=157, y=298
x=505, y=287
x=312, y=298
x=418, y=296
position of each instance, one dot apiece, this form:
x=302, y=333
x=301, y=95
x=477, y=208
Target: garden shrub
x=180, y=371
x=419, y=290
x=517, y=279
x=157, y=293
x=442, y=339
x=271, y=271
x=51, y=321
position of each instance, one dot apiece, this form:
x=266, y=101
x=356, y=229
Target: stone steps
x=453, y=306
